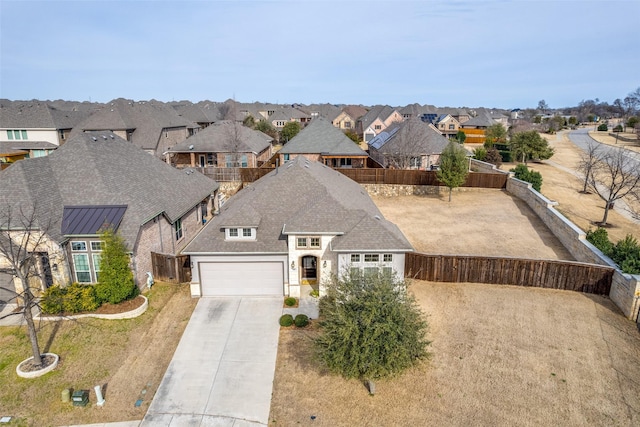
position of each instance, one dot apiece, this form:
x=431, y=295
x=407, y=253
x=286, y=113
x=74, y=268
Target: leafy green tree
x=626, y=253
x=632, y=122
x=573, y=120
x=495, y=134
x=289, y=130
x=266, y=127
x=115, y=280
x=249, y=122
x=461, y=137
x=530, y=145
x=523, y=173
x=454, y=166
x=372, y=327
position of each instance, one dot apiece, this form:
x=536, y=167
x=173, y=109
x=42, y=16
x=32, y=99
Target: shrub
x=301, y=320
x=626, y=253
x=51, y=302
x=523, y=173
x=72, y=299
x=600, y=239
x=480, y=153
x=116, y=279
x=290, y=301
x=618, y=128
x=603, y=127
x=494, y=157
x=315, y=293
x=286, y=320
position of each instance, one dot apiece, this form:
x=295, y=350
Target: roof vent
x=94, y=138
x=104, y=137
x=191, y=147
x=112, y=137
x=377, y=217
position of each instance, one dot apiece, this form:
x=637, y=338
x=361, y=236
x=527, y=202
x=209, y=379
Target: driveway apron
x=222, y=371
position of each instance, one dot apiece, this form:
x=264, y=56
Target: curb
x=127, y=315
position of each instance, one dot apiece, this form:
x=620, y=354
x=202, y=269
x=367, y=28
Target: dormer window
x=237, y=233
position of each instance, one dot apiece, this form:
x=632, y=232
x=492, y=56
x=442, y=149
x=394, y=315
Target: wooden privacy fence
x=417, y=177
x=367, y=176
x=566, y=275
x=169, y=268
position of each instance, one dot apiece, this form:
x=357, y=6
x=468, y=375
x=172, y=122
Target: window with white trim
x=355, y=257
x=237, y=233
x=233, y=232
x=371, y=257
x=308, y=242
x=96, y=265
x=246, y=232
x=96, y=246
x=387, y=257
x=81, y=267
x=301, y=242
x=78, y=246
x=314, y=242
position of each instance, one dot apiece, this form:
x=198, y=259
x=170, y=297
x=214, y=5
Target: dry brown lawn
x=501, y=355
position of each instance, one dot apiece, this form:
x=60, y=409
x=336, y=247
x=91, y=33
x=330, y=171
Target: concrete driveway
x=222, y=371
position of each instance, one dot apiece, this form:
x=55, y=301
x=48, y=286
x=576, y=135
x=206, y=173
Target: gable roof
x=146, y=118
x=411, y=137
x=321, y=137
x=225, y=137
x=301, y=197
x=99, y=168
x=414, y=137
x=38, y=115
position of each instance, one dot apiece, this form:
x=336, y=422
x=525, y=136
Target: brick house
x=98, y=179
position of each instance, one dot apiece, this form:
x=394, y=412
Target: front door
x=309, y=270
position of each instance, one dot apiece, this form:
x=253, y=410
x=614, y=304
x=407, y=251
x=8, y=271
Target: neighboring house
x=277, y=115
x=475, y=127
x=11, y=152
x=348, y=117
x=298, y=225
x=98, y=179
x=447, y=125
x=412, y=144
x=322, y=142
x=35, y=123
x=222, y=144
x=328, y=111
x=203, y=113
x=376, y=120
x=151, y=125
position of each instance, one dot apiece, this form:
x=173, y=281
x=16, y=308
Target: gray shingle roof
x=146, y=118
x=414, y=137
x=301, y=197
x=321, y=137
x=225, y=137
x=104, y=171
x=38, y=115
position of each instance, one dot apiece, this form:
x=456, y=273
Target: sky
x=495, y=54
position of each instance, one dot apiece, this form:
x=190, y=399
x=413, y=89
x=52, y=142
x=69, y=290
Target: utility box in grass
x=80, y=398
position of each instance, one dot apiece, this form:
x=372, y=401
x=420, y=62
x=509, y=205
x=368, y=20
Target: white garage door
x=241, y=278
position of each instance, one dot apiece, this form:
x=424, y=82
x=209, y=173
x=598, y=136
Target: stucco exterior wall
x=48, y=135
x=323, y=253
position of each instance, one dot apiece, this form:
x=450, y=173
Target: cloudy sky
x=503, y=54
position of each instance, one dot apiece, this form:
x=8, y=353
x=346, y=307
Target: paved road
x=581, y=139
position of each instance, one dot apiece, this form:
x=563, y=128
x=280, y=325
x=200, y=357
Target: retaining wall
x=625, y=289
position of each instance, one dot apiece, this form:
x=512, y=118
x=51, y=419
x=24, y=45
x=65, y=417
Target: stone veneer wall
x=625, y=288
x=392, y=190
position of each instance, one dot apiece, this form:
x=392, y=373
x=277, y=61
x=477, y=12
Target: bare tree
x=409, y=146
x=21, y=242
x=588, y=161
x=613, y=178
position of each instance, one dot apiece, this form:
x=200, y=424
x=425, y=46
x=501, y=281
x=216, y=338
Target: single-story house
x=98, y=180
x=296, y=226
x=322, y=142
x=222, y=144
x=412, y=144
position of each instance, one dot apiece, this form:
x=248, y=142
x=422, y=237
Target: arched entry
x=309, y=270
